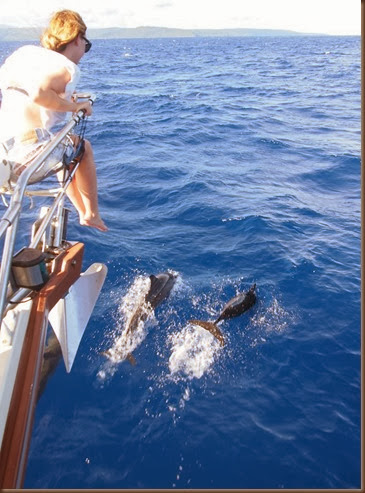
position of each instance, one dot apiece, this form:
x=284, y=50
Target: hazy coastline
x=9, y=33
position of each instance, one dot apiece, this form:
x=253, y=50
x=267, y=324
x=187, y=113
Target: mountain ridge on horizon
x=9, y=33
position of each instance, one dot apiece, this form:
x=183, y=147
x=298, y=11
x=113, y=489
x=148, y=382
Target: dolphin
x=52, y=355
x=159, y=290
x=235, y=307
x=161, y=287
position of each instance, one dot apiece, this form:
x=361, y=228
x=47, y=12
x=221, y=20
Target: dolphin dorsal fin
x=155, y=286
x=153, y=280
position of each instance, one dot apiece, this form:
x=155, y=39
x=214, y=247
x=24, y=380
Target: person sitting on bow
x=37, y=85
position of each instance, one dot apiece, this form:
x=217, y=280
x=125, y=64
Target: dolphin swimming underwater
x=52, y=355
x=235, y=307
x=160, y=289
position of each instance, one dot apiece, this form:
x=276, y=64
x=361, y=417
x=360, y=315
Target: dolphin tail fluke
x=212, y=328
x=131, y=359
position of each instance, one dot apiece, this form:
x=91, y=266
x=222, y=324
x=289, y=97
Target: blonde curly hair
x=63, y=28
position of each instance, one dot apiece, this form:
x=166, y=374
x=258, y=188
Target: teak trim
x=16, y=441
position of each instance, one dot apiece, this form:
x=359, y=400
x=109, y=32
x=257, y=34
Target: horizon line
x=194, y=29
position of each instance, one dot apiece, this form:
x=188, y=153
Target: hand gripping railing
x=9, y=222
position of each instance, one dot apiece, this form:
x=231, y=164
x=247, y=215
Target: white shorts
x=20, y=151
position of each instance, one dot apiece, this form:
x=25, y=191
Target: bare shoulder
x=56, y=80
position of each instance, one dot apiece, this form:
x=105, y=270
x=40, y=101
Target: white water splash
x=273, y=319
x=193, y=351
x=133, y=311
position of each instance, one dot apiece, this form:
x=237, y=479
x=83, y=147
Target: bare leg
x=75, y=197
x=83, y=191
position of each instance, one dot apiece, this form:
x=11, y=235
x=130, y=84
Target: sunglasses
x=88, y=44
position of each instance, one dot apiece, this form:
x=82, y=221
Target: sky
x=308, y=16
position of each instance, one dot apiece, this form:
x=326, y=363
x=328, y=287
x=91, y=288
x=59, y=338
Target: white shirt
x=26, y=69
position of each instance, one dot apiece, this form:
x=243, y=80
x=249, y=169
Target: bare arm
x=50, y=91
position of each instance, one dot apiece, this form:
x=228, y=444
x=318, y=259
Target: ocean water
x=228, y=161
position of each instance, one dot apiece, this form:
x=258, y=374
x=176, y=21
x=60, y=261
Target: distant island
x=8, y=33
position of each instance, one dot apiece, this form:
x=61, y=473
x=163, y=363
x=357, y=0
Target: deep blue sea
x=229, y=161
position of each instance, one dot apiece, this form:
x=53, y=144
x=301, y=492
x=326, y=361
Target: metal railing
x=10, y=220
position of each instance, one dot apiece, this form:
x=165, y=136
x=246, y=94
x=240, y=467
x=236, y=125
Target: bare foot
x=94, y=222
